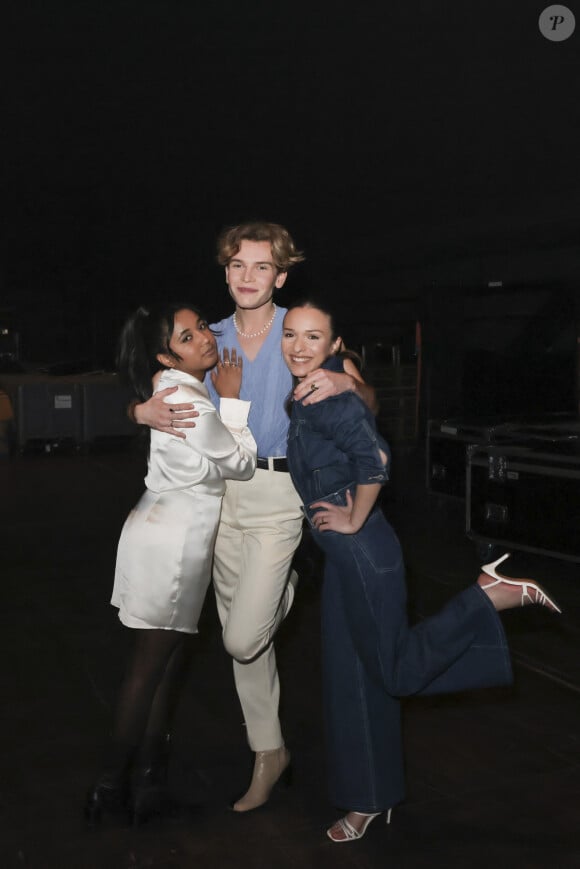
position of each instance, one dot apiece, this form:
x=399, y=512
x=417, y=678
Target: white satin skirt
x=164, y=560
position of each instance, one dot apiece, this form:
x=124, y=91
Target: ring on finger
x=314, y=387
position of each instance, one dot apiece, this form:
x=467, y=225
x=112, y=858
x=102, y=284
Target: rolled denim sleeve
x=347, y=422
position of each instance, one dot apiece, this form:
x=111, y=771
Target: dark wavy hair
x=146, y=333
x=318, y=304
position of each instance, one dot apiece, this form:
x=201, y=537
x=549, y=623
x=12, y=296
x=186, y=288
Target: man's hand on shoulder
x=162, y=416
x=321, y=384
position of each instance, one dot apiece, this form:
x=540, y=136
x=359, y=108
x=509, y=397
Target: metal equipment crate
x=526, y=497
x=448, y=441
x=47, y=411
x=104, y=409
x=78, y=411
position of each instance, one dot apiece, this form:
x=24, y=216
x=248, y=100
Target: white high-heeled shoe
x=531, y=591
x=348, y=833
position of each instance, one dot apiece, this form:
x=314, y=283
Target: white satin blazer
x=214, y=451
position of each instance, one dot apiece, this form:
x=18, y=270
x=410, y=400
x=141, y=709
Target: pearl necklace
x=254, y=334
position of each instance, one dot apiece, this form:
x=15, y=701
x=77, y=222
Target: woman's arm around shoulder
x=323, y=383
x=224, y=438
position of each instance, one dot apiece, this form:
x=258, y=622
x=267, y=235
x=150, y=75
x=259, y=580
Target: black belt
x=279, y=464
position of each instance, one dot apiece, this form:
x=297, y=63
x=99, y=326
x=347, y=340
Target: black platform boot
x=149, y=792
x=109, y=795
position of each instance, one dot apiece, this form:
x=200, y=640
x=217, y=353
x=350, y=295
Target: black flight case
x=448, y=442
x=527, y=496
x=47, y=410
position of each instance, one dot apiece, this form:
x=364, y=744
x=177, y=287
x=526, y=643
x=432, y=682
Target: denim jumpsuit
x=370, y=655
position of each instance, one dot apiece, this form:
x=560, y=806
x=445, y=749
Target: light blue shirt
x=266, y=382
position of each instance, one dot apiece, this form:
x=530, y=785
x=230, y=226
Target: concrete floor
x=493, y=777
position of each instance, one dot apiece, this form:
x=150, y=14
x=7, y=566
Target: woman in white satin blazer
x=165, y=551
x=166, y=546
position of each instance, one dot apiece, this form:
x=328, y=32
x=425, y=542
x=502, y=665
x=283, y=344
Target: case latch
x=496, y=468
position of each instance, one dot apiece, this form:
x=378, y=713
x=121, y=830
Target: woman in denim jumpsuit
x=371, y=656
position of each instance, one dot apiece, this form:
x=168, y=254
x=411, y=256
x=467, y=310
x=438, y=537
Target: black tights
x=147, y=699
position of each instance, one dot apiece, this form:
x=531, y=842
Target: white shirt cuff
x=234, y=412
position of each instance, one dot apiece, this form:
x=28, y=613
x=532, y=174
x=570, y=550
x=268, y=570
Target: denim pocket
x=338, y=497
x=377, y=544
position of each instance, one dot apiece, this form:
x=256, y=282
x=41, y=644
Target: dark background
x=416, y=151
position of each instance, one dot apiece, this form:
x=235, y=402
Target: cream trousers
x=259, y=532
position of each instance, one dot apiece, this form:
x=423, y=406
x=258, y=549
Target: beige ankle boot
x=269, y=767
